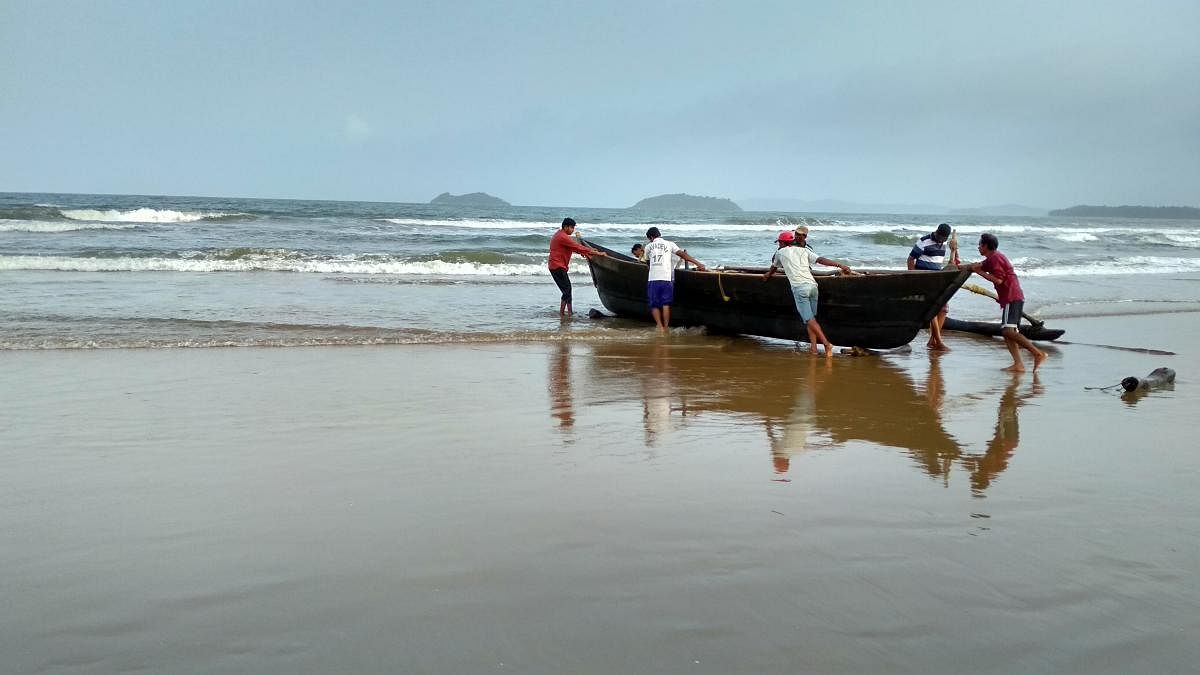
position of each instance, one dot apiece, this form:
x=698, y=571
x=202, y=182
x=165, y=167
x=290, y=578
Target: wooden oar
x=983, y=291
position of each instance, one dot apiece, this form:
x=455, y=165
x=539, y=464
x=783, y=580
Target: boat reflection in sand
x=801, y=403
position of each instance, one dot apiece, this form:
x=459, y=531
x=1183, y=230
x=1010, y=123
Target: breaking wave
x=262, y=260
x=148, y=215
x=54, y=226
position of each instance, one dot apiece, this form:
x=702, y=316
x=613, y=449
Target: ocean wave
x=1070, y=233
x=282, y=261
x=1122, y=307
x=1035, y=267
x=148, y=215
x=55, y=226
x=1076, y=237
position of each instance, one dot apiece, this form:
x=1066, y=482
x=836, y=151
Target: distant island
x=1168, y=212
x=472, y=199
x=687, y=202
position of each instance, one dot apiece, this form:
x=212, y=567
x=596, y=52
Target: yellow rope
x=980, y=290
x=721, y=287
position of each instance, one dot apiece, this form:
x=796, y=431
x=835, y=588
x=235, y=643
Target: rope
x=980, y=290
x=1103, y=388
x=721, y=287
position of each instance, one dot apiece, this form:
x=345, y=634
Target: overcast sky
x=602, y=103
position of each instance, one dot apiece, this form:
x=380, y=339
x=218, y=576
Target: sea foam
x=144, y=215
x=278, y=263
x=55, y=226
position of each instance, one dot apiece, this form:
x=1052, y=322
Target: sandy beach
x=688, y=504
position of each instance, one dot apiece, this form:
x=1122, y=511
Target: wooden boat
x=992, y=328
x=877, y=309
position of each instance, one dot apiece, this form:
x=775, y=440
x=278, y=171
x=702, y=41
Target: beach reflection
x=800, y=403
x=793, y=436
x=658, y=395
x=558, y=380
x=1005, y=437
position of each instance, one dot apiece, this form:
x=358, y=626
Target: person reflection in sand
x=936, y=459
x=559, y=380
x=657, y=392
x=1004, y=441
x=792, y=435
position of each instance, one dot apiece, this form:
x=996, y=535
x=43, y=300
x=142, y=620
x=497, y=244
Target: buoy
x=1159, y=377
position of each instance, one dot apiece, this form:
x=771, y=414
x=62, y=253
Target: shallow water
x=83, y=271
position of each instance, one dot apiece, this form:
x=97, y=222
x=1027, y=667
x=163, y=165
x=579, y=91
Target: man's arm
x=913, y=255
x=684, y=254
x=833, y=263
x=977, y=268
x=582, y=249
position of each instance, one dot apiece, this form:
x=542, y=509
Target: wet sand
x=689, y=504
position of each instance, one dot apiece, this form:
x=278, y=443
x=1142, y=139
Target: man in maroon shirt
x=562, y=245
x=997, y=269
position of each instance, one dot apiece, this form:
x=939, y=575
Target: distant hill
x=472, y=199
x=1000, y=210
x=687, y=202
x=1172, y=212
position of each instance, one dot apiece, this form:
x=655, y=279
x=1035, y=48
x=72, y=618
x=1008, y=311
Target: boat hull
x=879, y=310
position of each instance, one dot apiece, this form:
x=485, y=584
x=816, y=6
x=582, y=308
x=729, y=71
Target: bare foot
x=939, y=347
x=1038, y=358
x=1014, y=368
x=813, y=350
x=828, y=349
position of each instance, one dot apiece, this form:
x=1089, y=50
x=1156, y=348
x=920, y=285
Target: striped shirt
x=929, y=253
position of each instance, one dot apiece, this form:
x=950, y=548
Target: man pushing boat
x=929, y=253
x=996, y=268
x=796, y=259
x=660, y=287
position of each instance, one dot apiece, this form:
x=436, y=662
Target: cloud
x=357, y=129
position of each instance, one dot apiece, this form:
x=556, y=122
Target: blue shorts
x=805, y=296
x=1010, y=314
x=659, y=293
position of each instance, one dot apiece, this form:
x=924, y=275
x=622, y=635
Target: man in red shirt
x=562, y=245
x=997, y=269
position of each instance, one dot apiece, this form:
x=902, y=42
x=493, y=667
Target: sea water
x=93, y=271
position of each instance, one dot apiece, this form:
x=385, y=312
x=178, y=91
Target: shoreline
x=581, y=330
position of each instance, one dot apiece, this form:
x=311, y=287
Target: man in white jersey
x=660, y=288
x=796, y=259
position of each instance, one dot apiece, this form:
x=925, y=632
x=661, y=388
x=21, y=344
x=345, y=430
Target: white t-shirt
x=796, y=262
x=660, y=253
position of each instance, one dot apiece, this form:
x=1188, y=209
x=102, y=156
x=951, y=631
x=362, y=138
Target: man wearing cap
x=660, y=285
x=795, y=258
x=929, y=253
x=562, y=245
